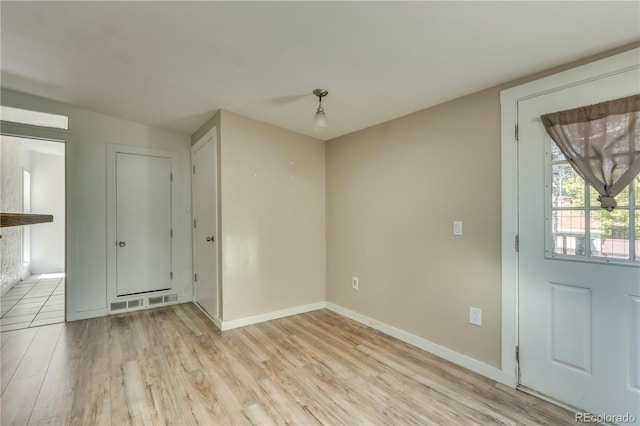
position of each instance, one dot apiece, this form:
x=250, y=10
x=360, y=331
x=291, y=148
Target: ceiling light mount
x=321, y=93
x=320, y=119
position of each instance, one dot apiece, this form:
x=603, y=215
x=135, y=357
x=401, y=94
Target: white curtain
x=601, y=142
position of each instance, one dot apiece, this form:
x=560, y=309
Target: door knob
x=122, y=244
x=211, y=239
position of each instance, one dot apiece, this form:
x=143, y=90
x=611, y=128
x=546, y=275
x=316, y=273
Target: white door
x=579, y=300
x=205, y=240
x=143, y=223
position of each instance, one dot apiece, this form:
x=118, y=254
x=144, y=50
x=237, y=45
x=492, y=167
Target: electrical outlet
x=475, y=316
x=354, y=283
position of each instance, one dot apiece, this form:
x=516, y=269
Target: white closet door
x=143, y=223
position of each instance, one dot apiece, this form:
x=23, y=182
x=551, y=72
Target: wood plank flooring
x=172, y=366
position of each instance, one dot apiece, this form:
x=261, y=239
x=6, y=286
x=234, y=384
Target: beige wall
x=393, y=192
x=272, y=216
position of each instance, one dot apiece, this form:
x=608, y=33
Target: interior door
x=143, y=223
x=579, y=317
x=205, y=241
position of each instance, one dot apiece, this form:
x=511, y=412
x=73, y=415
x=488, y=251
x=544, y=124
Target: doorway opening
x=33, y=255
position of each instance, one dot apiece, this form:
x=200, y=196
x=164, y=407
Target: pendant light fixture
x=320, y=119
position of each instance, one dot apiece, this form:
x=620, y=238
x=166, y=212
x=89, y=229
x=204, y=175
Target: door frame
x=112, y=150
x=509, y=99
x=212, y=135
x=26, y=232
x=71, y=205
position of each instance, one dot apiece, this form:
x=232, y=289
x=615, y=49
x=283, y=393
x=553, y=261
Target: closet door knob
x=122, y=244
x=211, y=239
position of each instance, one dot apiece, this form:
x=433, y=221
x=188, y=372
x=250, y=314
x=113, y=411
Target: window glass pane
x=556, y=154
x=637, y=181
x=567, y=230
x=610, y=233
x=567, y=187
x=622, y=198
x=34, y=118
x=637, y=233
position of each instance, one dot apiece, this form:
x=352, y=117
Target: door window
x=577, y=227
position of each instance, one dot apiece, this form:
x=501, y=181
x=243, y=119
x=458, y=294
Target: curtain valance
x=601, y=142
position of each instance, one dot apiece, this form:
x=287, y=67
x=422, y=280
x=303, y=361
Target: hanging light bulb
x=320, y=119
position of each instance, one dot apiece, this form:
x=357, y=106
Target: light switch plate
x=457, y=227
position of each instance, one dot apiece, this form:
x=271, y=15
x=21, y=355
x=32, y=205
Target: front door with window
x=579, y=268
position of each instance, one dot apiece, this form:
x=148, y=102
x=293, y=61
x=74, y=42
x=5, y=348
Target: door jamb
x=509, y=99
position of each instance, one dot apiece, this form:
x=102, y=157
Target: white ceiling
x=173, y=64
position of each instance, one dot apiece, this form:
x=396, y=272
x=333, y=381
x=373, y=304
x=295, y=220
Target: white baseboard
x=185, y=298
x=254, y=319
x=81, y=315
x=448, y=354
x=424, y=344
x=39, y=271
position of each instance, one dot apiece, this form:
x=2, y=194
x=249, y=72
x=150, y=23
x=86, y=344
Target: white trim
x=465, y=361
x=254, y=319
x=71, y=206
x=82, y=315
x=212, y=133
x=509, y=152
x=509, y=301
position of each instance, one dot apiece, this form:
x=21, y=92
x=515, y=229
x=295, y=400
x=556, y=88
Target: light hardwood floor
x=171, y=366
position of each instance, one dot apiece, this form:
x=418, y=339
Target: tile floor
x=37, y=300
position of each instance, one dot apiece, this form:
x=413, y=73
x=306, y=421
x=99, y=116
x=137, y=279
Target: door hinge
x=194, y=169
x=516, y=132
x=171, y=233
x=517, y=353
x=171, y=177
x=517, y=243
x=194, y=223
x=195, y=277
x=171, y=275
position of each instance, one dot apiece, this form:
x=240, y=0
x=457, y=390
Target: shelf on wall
x=18, y=219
